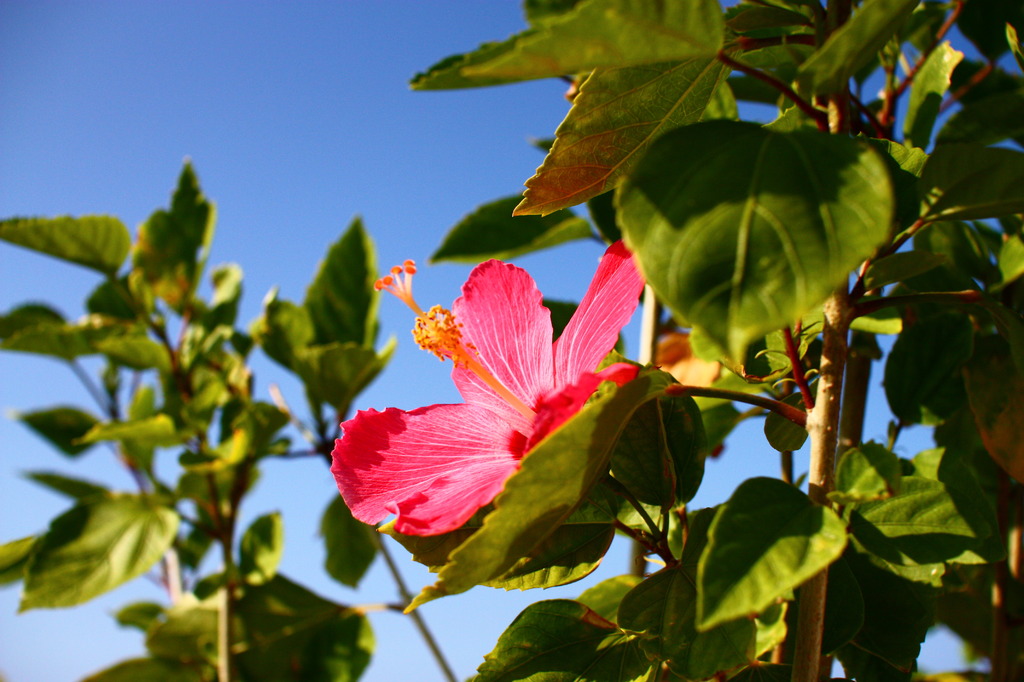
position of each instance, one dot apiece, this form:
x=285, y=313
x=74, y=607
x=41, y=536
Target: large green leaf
x=94, y=547
x=336, y=372
x=156, y=431
x=188, y=633
x=26, y=316
x=594, y=33
x=922, y=378
x=995, y=390
x=97, y=242
x=926, y=93
x=664, y=607
x=765, y=541
x=14, y=556
x=559, y=640
x=75, y=488
x=67, y=341
x=604, y=597
x=283, y=329
x=865, y=473
x=553, y=481
x=614, y=118
x=922, y=525
x=853, y=45
x=171, y=247
x=742, y=230
x=491, y=231
x=287, y=632
x=62, y=426
x=350, y=544
x=967, y=182
x=341, y=301
x=261, y=548
x=568, y=554
x=987, y=120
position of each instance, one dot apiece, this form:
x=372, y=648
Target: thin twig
x=923, y=57
x=798, y=368
x=965, y=297
x=819, y=117
x=798, y=417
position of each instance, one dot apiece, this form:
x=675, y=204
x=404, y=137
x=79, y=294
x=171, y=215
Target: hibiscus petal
x=605, y=309
x=559, y=405
x=502, y=315
x=476, y=392
x=433, y=467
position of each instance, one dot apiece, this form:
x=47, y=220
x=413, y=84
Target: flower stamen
x=437, y=331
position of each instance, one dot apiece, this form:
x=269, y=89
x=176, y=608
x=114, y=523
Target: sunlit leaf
x=94, y=547
x=140, y=615
x=154, y=431
x=742, y=231
x=28, y=315
x=14, y=556
x=926, y=93
x=562, y=640
x=341, y=301
x=97, y=242
x=765, y=541
x=867, y=472
x=261, y=548
x=148, y=670
x=335, y=373
x=171, y=247
x=75, y=488
x=604, y=597
x=187, y=633
x=899, y=266
x=491, y=231
x=854, y=44
x=283, y=329
x=613, y=120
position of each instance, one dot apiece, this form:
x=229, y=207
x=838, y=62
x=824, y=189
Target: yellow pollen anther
x=437, y=331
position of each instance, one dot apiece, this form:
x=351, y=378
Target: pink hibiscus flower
x=434, y=466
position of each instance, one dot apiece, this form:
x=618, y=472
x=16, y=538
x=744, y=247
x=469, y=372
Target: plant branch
x=965, y=297
x=819, y=117
x=999, y=654
x=798, y=417
x=923, y=57
x=417, y=619
x=980, y=75
x=798, y=368
x=822, y=427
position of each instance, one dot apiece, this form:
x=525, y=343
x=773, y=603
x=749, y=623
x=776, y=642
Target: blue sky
x=297, y=117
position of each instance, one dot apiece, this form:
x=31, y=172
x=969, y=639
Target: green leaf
x=97, y=242
x=66, y=341
x=983, y=24
x=95, y=546
x=341, y=301
x=62, y=426
x=189, y=632
x=663, y=607
x=897, y=613
x=743, y=18
x=227, y=292
x=964, y=245
x=491, y=231
x=966, y=182
x=75, y=488
x=782, y=434
x=261, y=549
x=844, y=607
x=922, y=525
x=14, y=556
x=290, y=633
x=613, y=120
x=148, y=670
x=922, y=378
x=109, y=299
x=553, y=481
x=351, y=545
x=172, y=245
x=26, y=316
x=995, y=391
x=853, y=45
x=562, y=640
x=1011, y=259
x=1014, y=42
x=283, y=330
x=156, y=431
x=865, y=473
x=741, y=230
x=900, y=266
x=593, y=34
x=135, y=351
x=765, y=541
x=604, y=597
x=140, y=615
x=641, y=461
x=337, y=372
x=926, y=93
x=986, y=120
